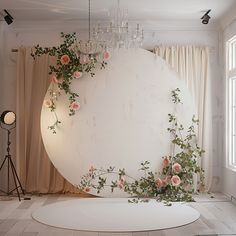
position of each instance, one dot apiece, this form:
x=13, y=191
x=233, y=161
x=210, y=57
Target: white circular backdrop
x=123, y=118
x=115, y=215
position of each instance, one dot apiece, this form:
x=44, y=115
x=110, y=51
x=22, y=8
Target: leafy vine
x=71, y=64
x=175, y=182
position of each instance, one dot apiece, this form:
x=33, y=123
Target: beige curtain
x=192, y=65
x=36, y=171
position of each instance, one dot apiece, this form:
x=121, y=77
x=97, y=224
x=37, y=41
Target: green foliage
x=64, y=71
x=174, y=182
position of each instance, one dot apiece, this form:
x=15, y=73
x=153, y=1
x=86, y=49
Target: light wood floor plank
x=218, y=217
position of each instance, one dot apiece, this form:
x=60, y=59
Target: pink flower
x=75, y=105
x=122, y=179
x=175, y=180
x=177, y=168
x=121, y=182
x=92, y=169
x=84, y=59
x=166, y=180
x=54, y=79
x=166, y=162
x=120, y=185
x=87, y=189
x=77, y=74
x=47, y=103
x=65, y=60
x=159, y=183
x=106, y=55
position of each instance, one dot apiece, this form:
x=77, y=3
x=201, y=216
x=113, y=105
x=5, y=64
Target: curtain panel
x=36, y=171
x=192, y=65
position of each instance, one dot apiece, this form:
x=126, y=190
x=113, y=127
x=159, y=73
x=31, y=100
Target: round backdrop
x=123, y=118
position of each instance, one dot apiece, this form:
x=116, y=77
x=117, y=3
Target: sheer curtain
x=36, y=171
x=192, y=65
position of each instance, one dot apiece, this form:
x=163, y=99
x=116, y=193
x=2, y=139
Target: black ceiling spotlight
x=205, y=19
x=8, y=18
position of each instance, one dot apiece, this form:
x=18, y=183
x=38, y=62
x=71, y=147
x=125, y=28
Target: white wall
x=166, y=33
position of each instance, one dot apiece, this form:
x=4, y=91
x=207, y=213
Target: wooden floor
x=218, y=217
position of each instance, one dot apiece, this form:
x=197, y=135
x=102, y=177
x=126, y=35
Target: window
x=231, y=103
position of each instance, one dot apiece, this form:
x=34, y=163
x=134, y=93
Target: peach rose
x=47, y=103
x=54, y=79
x=65, y=60
x=106, y=55
x=166, y=162
x=175, y=180
x=77, y=74
x=177, y=168
x=159, y=183
x=84, y=59
x=87, y=189
x=75, y=105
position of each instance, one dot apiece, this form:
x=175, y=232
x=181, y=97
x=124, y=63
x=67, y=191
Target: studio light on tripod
x=8, y=117
x=8, y=122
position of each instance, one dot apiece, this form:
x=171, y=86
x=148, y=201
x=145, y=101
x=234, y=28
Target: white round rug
x=115, y=215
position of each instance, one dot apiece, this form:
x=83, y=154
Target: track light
x=205, y=19
x=8, y=18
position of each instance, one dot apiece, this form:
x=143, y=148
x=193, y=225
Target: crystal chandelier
x=91, y=46
x=117, y=35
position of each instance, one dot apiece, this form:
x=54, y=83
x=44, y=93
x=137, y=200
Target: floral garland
x=70, y=64
x=173, y=183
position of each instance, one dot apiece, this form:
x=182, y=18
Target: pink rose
x=159, y=183
x=177, y=168
x=121, y=182
x=168, y=179
x=84, y=59
x=120, y=185
x=54, y=79
x=122, y=179
x=47, y=103
x=175, y=180
x=65, y=60
x=75, y=105
x=106, y=55
x=77, y=74
x=166, y=162
x=87, y=189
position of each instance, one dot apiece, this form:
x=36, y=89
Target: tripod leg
x=15, y=174
x=14, y=178
x=3, y=162
x=8, y=175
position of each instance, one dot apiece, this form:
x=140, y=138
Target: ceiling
x=138, y=9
